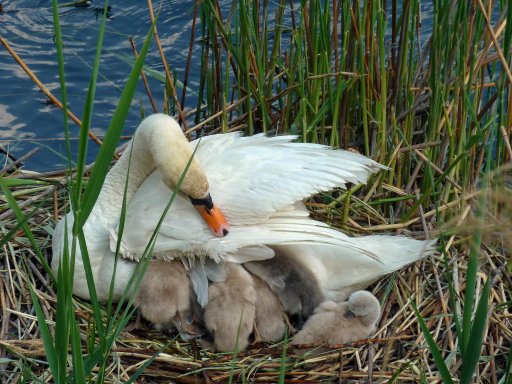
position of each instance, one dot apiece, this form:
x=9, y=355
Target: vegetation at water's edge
x=436, y=110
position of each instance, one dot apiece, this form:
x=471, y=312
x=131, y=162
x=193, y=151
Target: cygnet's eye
x=189, y=320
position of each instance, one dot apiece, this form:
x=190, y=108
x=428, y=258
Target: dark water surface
x=26, y=118
x=28, y=121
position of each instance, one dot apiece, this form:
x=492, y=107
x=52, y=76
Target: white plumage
x=258, y=183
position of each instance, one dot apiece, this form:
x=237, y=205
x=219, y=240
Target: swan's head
x=171, y=153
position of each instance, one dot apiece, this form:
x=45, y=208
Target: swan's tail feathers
x=396, y=252
x=343, y=270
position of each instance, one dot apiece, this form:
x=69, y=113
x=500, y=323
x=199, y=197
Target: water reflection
x=27, y=25
x=87, y=6
x=7, y=123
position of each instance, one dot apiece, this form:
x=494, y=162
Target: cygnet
x=294, y=284
x=230, y=312
x=340, y=323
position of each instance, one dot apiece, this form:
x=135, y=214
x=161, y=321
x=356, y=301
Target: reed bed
x=351, y=75
x=396, y=351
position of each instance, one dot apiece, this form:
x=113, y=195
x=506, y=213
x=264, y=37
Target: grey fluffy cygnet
x=230, y=312
x=293, y=282
x=271, y=321
x=165, y=297
x=340, y=323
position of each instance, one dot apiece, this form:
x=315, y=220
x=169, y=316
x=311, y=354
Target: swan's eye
x=189, y=320
x=205, y=202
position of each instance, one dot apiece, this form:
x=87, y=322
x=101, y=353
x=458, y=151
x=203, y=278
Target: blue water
x=27, y=121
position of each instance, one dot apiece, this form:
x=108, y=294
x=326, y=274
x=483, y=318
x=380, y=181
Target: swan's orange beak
x=212, y=216
x=215, y=220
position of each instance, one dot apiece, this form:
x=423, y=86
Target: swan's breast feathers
x=193, y=253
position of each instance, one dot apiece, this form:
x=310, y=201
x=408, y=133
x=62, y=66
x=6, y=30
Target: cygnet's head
x=164, y=293
x=364, y=305
x=340, y=323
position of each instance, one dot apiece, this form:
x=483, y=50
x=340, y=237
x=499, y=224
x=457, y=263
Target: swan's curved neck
x=157, y=143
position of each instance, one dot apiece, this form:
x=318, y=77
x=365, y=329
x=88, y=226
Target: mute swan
x=293, y=283
x=255, y=180
x=341, y=323
x=230, y=312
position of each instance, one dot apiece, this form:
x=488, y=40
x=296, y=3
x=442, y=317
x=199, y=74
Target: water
x=28, y=121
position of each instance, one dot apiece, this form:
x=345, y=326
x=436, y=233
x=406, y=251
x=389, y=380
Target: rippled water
x=27, y=120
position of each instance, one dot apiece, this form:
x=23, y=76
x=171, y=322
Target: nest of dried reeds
x=396, y=351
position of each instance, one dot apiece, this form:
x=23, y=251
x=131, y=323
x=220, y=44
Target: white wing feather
x=253, y=177
x=255, y=181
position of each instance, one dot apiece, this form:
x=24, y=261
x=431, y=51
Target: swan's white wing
x=101, y=258
x=184, y=233
x=252, y=177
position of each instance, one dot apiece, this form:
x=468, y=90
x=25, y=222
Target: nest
x=397, y=351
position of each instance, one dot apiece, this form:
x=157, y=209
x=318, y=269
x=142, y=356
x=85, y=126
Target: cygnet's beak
x=211, y=215
x=186, y=327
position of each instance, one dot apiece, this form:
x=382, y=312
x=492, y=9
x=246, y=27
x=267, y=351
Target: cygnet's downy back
x=270, y=322
x=164, y=295
x=294, y=284
x=340, y=323
x=230, y=312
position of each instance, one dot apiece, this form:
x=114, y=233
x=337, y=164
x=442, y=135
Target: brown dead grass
x=397, y=350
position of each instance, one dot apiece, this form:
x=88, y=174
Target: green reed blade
x=112, y=136
x=472, y=353
x=434, y=350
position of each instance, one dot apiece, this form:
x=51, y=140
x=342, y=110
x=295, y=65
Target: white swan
x=257, y=181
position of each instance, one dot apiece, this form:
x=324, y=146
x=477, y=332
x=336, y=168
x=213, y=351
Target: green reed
x=402, y=91
x=442, y=92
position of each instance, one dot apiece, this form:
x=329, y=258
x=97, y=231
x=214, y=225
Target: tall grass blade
x=472, y=353
x=87, y=114
x=282, y=367
x=434, y=350
x=100, y=171
x=51, y=354
x=76, y=351
x=113, y=134
x=122, y=219
x=63, y=314
x=60, y=61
